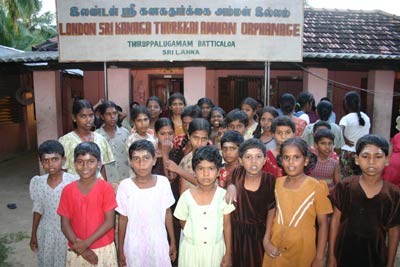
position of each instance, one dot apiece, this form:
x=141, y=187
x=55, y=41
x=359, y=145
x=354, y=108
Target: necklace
x=85, y=138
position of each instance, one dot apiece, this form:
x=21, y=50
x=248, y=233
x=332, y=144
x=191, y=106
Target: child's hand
x=80, y=246
x=172, y=252
x=171, y=166
x=317, y=262
x=33, y=243
x=121, y=259
x=271, y=250
x=230, y=194
x=172, y=176
x=226, y=261
x=166, y=147
x=90, y=256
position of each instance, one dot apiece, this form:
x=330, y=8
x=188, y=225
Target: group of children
x=214, y=189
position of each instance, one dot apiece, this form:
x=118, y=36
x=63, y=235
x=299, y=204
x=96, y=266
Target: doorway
x=163, y=86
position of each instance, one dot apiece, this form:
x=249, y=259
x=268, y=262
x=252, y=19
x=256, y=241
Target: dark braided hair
x=352, y=103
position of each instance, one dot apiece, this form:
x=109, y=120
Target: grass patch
x=5, y=249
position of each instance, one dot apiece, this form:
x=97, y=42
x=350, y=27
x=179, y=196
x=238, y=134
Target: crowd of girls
x=198, y=186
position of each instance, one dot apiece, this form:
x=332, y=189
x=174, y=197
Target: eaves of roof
x=30, y=56
x=44, y=56
x=318, y=55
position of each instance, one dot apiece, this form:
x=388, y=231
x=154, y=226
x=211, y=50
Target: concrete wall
x=352, y=78
x=48, y=105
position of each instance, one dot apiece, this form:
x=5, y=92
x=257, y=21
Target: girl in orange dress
x=300, y=200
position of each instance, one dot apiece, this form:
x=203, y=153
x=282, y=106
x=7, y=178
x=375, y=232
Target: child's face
x=230, y=152
x=216, y=119
x=250, y=112
x=84, y=119
x=154, y=109
x=198, y=139
x=371, y=160
x=205, y=110
x=166, y=133
x=266, y=121
x=86, y=166
x=185, y=123
x=177, y=107
x=282, y=133
x=110, y=117
x=221, y=131
x=293, y=161
x=324, y=146
x=52, y=163
x=253, y=161
x=237, y=126
x=141, y=124
x=206, y=173
x=142, y=162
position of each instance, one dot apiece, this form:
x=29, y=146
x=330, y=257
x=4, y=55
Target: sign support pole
x=267, y=75
x=105, y=81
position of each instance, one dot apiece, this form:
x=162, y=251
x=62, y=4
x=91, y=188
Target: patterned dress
x=119, y=169
x=203, y=242
x=271, y=166
x=186, y=164
x=71, y=140
x=52, y=244
x=300, y=126
x=323, y=170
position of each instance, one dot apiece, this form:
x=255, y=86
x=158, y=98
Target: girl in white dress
x=47, y=239
x=144, y=213
x=205, y=216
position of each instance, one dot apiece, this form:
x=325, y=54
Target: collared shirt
x=119, y=169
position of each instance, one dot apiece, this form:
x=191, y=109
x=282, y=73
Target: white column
x=47, y=105
x=315, y=85
x=194, y=80
x=382, y=83
x=118, y=87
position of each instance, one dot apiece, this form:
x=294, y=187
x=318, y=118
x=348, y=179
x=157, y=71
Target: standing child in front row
x=205, y=216
x=366, y=211
x=300, y=201
x=144, y=213
x=254, y=206
x=47, y=239
x=87, y=212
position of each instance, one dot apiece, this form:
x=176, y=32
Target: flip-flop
x=12, y=206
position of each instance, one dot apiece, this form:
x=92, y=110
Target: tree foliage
x=21, y=25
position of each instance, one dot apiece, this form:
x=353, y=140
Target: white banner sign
x=219, y=30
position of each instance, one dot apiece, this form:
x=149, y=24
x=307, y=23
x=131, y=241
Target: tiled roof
x=328, y=34
x=30, y=56
x=351, y=32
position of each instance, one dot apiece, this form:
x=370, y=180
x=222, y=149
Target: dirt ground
x=14, y=188
x=15, y=177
